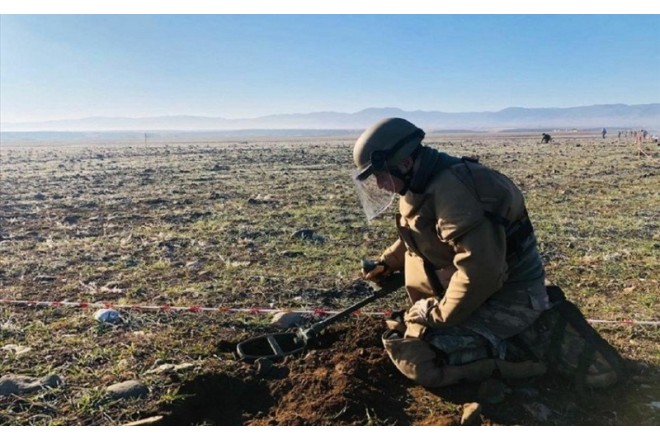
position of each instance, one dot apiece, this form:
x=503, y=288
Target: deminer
x=473, y=273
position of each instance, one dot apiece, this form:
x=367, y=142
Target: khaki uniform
x=451, y=247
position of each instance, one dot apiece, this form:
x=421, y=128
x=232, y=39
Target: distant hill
x=587, y=117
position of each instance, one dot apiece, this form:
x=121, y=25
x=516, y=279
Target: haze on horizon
x=55, y=67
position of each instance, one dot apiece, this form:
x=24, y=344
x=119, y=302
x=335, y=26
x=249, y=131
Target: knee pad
x=414, y=358
x=418, y=361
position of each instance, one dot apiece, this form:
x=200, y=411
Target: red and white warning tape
x=194, y=308
x=222, y=309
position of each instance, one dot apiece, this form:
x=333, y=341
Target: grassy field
x=214, y=224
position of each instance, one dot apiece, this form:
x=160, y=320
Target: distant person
x=546, y=138
x=639, y=137
x=640, y=140
x=604, y=133
x=472, y=268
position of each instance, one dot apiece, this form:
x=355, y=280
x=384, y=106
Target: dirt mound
x=349, y=381
x=346, y=379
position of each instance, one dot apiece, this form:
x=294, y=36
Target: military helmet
x=384, y=145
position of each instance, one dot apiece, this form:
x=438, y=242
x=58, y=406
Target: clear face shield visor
x=375, y=198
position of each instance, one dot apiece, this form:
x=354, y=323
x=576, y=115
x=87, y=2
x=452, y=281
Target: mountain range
x=586, y=117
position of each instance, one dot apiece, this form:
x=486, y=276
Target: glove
x=419, y=312
x=378, y=272
x=395, y=322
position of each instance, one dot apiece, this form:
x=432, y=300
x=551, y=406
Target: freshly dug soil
x=347, y=379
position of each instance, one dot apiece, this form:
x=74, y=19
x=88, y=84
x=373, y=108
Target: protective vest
x=466, y=238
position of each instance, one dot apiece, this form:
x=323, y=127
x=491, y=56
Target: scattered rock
x=259, y=199
x=71, y=219
x=286, y=320
x=51, y=380
x=308, y=234
x=127, y=389
x=304, y=233
x=111, y=290
x=108, y=316
x=471, y=414
x=168, y=367
x=21, y=384
x=492, y=391
x=18, y=350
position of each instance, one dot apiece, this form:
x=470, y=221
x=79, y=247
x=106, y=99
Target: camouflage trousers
x=459, y=345
x=484, y=334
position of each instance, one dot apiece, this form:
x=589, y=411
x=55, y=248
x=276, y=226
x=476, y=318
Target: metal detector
x=277, y=346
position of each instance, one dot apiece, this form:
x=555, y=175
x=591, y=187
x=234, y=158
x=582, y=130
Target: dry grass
x=211, y=224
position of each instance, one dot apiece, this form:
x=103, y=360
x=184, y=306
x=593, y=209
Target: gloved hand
x=419, y=312
x=395, y=322
x=376, y=273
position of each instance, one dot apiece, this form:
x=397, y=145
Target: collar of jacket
x=429, y=164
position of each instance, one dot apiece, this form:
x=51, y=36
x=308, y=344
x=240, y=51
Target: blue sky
x=234, y=66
